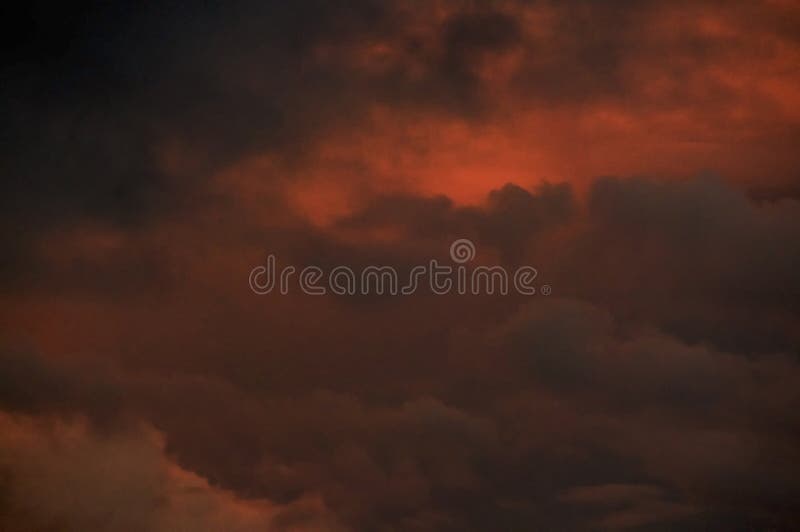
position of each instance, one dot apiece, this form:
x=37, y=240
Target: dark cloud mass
x=640, y=155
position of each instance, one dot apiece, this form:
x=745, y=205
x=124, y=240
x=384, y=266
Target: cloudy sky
x=641, y=155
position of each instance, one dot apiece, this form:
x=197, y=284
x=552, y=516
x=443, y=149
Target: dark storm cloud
x=31, y=384
x=93, y=90
x=442, y=413
x=96, y=93
x=716, y=260
x=657, y=389
x=508, y=220
x=508, y=451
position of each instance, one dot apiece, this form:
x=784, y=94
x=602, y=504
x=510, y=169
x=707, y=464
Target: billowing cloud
x=640, y=155
x=60, y=475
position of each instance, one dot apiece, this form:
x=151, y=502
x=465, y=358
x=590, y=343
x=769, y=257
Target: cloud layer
x=640, y=155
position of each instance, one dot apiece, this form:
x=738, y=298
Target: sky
x=642, y=156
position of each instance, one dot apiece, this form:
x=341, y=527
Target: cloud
x=153, y=158
x=635, y=505
x=61, y=475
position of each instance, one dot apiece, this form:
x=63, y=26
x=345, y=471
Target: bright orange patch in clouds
x=728, y=106
x=693, y=89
